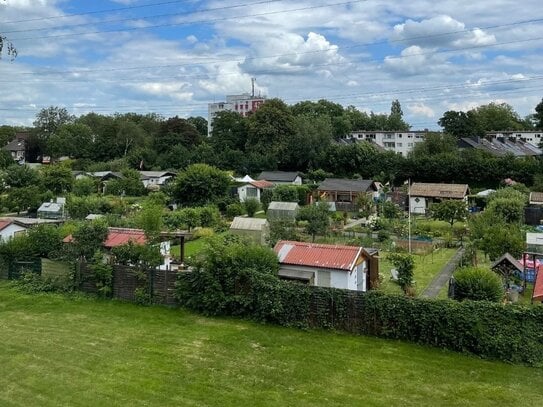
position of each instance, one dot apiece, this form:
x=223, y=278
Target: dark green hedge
x=505, y=332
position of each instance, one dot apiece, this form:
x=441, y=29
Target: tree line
x=304, y=137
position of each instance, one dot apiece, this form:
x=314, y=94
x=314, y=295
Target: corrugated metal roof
x=262, y=184
x=118, y=237
x=456, y=191
x=317, y=255
x=283, y=206
x=4, y=223
x=242, y=223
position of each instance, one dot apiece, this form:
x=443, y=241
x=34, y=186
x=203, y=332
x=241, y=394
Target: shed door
x=324, y=279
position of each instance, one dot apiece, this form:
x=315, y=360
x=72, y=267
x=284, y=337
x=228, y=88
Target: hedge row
x=504, y=332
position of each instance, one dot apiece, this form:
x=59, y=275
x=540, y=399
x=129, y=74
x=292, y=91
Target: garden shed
x=283, y=210
x=255, y=229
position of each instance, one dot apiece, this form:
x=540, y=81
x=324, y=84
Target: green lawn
x=192, y=247
x=75, y=351
x=426, y=268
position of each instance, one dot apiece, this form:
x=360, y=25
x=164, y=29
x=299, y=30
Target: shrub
x=251, y=206
x=477, y=284
x=234, y=209
x=404, y=263
x=203, y=232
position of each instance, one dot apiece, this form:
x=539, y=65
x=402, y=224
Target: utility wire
x=85, y=13
x=123, y=20
x=280, y=55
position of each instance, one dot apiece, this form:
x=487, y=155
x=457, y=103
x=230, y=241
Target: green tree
x=229, y=131
x=142, y=256
x=395, y=119
x=491, y=234
x=200, y=124
x=57, y=178
x=282, y=229
x=45, y=240
x=498, y=116
x=150, y=220
x=270, y=129
x=72, y=140
x=460, y=124
x=433, y=144
x=84, y=186
x=539, y=116
x=285, y=193
x=88, y=238
x=510, y=210
x=450, y=211
x=308, y=145
x=27, y=198
x=405, y=265
x=251, y=206
x=226, y=265
x=317, y=217
x=200, y=184
x=176, y=131
x=19, y=176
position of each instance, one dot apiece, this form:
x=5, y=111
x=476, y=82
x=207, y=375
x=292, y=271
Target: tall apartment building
x=401, y=142
x=243, y=104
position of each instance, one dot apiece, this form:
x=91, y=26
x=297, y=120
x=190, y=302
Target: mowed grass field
x=78, y=351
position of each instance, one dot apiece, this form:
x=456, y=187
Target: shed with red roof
x=323, y=265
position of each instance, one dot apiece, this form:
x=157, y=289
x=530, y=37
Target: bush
x=234, y=209
x=477, y=284
x=251, y=206
x=404, y=263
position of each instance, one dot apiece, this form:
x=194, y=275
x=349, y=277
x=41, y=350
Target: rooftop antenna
x=253, y=80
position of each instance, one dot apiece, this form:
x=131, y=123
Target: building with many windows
x=243, y=104
x=401, y=142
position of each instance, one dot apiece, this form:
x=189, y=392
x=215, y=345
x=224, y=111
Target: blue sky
x=173, y=57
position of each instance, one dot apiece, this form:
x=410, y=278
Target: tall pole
x=409, y=213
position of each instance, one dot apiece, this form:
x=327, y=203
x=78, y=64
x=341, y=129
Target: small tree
x=449, y=211
x=365, y=204
x=477, y=284
x=317, y=217
x=84, y=186
x=282, y=229
x=405, y=264
x=266, y=198
x=150, y=220
x=251, y=206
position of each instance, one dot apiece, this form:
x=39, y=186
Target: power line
x=191, y=22
x=123, y=20
x=206, y=76
x=367, y=44
x=189, y=106
x=94, y=12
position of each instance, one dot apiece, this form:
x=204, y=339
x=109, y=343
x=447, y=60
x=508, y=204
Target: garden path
x=444, y=275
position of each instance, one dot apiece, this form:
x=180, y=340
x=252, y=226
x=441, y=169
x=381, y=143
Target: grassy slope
x=61, y=351
x=426, y=268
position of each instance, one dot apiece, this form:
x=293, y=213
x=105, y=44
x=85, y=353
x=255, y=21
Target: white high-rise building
x=401, y=142
x=243, y=104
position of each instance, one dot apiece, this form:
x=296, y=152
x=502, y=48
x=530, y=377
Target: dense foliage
x=477, y=284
